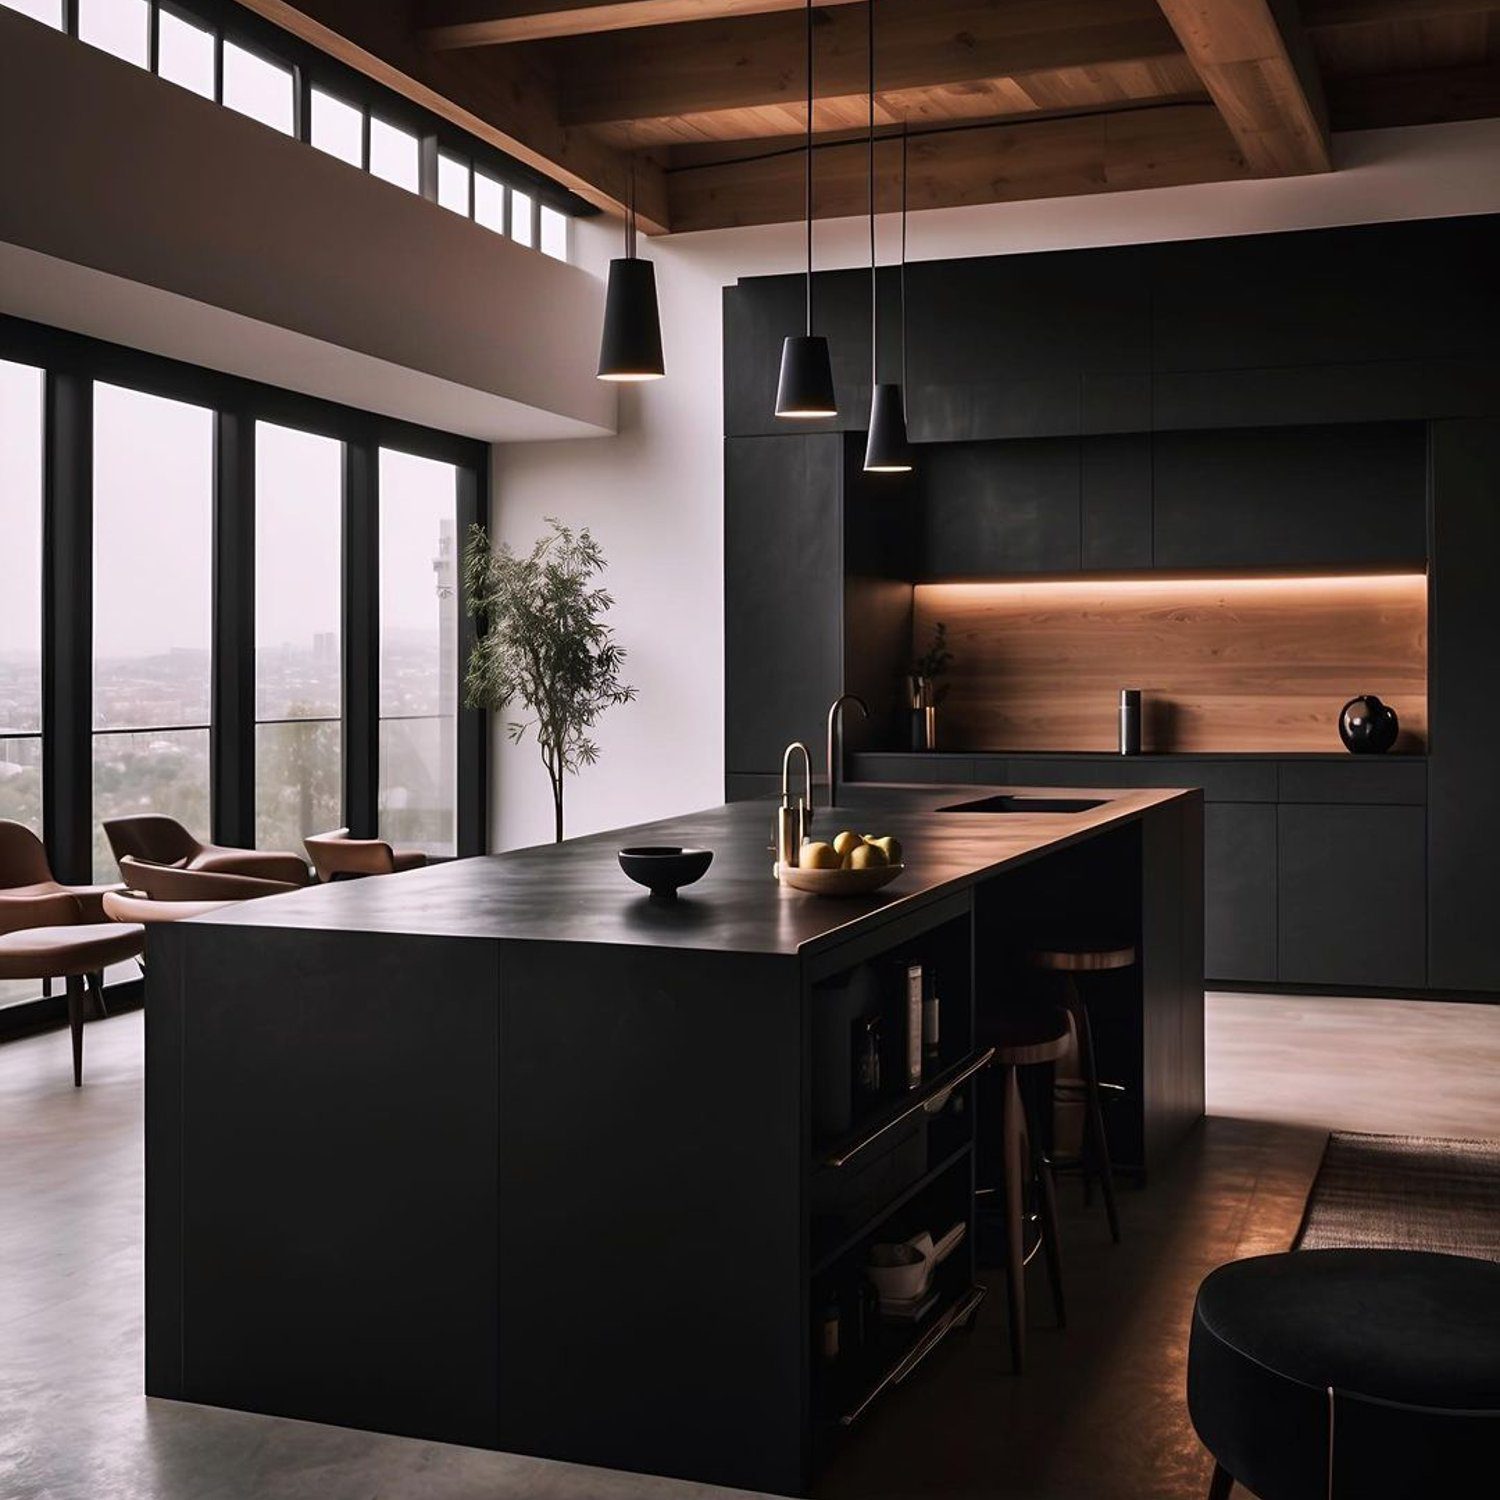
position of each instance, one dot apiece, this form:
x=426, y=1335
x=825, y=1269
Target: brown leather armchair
x=160, y=840
x=132, y=906
x=46, y=934
x=24, y=872
x=336, y=856
x=170, y=883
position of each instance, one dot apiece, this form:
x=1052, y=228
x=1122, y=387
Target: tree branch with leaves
x=543, y=644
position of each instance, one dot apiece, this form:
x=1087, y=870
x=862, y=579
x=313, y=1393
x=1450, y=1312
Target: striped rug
x=1405, y=1192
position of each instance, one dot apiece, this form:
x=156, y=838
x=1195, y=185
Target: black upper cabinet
x=783, y=593
x=993, y=508
x=1327, y=297
x=1116, y=499
x=1295, y=497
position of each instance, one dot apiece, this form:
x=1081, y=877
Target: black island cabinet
x=505, y=1152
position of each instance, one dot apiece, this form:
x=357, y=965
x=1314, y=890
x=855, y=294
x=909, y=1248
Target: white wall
x=133, y=210
x=654, y=494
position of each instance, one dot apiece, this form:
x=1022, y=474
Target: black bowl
x=664, y=867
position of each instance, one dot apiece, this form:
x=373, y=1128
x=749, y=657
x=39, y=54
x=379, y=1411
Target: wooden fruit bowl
x=840, y=882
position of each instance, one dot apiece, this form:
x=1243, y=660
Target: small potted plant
x=926, y=688
x=543, y=642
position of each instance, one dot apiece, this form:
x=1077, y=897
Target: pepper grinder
x=1130, y=721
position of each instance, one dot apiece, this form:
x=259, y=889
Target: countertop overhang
x=575, y=892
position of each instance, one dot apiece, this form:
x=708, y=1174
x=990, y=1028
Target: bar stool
x=1026, y=1039
x=1076, y=1079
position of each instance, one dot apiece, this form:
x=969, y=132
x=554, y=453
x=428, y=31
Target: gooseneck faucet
x=836, y=740
x=792, y=820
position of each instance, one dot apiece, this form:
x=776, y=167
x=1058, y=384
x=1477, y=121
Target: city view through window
x=153, y=506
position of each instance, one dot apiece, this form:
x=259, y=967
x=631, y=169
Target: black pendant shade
x=631, y=346
x=806, y=385
x=887, y=450
x=805, y=389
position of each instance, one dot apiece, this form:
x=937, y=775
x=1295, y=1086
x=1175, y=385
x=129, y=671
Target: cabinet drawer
x=1352, y=895
x=1365, y=779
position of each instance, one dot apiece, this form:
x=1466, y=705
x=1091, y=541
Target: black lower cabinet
x=1352, y=895
x=1239, y=875
x=1463, y=787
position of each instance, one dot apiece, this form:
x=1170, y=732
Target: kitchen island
x=506, y=1152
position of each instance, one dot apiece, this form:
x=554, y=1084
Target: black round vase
x=1367, y=726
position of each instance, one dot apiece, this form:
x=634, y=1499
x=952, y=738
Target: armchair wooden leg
x=1221, y=1484
x=96, y=990
x=75, y=1023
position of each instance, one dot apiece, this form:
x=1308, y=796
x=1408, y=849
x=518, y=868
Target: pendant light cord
x=874, y=283
x=903, y=256
x=808, y=188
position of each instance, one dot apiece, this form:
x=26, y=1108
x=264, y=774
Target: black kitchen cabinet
x=1352, y=895
x=1239, y=898
x=1464, y=780
x=1343, y=497
x=783, y=594
x=1000, y=508
x=1423, y=289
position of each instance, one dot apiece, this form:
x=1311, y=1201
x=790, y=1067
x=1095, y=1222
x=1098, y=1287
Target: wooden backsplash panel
x=1226, y=664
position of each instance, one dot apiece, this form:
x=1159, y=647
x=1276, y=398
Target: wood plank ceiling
x=1004, y=99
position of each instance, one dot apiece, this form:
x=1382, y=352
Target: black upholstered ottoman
x=1336, y=1374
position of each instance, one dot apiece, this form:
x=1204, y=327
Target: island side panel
x=1172, y=972
x=164, y=1015
x=337, y=1229
x=653, y=1154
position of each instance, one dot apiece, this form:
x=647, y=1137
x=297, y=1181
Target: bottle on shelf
x=931, y=1025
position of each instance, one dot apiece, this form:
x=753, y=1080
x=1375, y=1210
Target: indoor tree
x=543, y=643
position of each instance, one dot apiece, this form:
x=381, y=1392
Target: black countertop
x=575, y=892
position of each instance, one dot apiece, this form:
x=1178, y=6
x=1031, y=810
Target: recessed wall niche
x=1229, y=663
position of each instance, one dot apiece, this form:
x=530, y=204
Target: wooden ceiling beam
x=998, y=163
x=758, y=61
x=1257, y=65
x=488, y=23
x=503, y=98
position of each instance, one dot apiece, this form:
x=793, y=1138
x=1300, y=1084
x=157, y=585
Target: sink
x=1008, y=803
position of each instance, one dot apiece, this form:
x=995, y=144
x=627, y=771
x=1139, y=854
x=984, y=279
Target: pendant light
x=886, y=450
x=805, y=389
x=631, y=347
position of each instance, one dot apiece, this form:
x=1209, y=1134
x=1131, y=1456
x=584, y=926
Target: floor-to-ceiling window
x=21, y=388
x=419, y=565
x=153, y=609
x=227, y=603
x=298, y=635
x=21, y=396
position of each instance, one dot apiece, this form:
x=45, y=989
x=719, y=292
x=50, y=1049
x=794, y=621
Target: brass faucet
x=792, y=822
x=836, y=741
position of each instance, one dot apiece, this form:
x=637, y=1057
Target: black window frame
x=71, y=363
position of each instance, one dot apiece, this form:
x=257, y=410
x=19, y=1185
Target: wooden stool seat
x=1028, y=1037
x=1081, y=960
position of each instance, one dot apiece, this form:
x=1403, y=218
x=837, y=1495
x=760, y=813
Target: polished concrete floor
x=1099, y=1412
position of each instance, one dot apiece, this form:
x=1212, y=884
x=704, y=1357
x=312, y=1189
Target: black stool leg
x=1098, y=1142
x=75, y=1022
x=1221, y=1484
x=1051, y=1245
x=1013, y=1132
